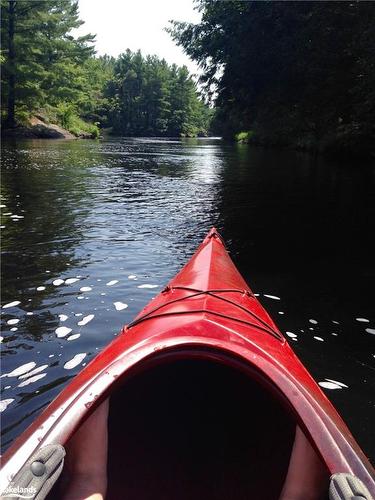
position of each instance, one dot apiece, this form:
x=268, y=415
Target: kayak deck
x=197, y=429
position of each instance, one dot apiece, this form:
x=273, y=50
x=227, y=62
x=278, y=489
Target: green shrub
x=78, y=127
x=65, y=114
x=244, y=136
x=22, y=117
x=69, y=119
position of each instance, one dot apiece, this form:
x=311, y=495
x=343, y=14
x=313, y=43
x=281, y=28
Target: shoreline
x=40, y=129
x=351, y=148
x=50, y=131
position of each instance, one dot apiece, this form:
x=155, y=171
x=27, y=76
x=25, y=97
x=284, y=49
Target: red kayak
x=205, y=398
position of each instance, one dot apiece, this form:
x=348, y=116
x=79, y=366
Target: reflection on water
x=92, y=230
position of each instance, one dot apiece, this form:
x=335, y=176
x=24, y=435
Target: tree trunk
x=11, y=121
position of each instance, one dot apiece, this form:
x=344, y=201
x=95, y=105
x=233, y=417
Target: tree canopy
x=292, y=72
x=43, y=63
x=51, y=73
x=150, y=97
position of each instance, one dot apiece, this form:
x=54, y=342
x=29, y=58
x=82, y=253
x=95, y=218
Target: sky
x=137, y=24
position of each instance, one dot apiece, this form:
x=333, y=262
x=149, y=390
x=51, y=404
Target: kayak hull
x=207, y=312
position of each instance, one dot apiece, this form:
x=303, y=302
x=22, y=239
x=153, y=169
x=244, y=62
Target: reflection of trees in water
x=51, y=192
x=49, y=185
x=285, y=209
x=262, y=204
x=32, y=327
x=15, y=347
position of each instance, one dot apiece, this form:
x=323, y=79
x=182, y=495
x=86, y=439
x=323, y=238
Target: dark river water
x=118, y=219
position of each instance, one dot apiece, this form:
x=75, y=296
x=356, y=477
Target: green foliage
x=149, y=97
x=50, y=73
x=94, y=105
x=79, y=127
x=43, y=63
x=244, y=136
x=294, y=72
x=66, y=115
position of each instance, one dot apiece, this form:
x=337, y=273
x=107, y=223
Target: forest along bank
x=54, y=77
x=298, y=75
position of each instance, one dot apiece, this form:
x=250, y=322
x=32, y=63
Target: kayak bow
x=207, y=317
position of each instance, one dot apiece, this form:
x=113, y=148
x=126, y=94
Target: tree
x=297, y=72
x=52, y=74
x=42, y=60
x=93, y=104
x=149, y=97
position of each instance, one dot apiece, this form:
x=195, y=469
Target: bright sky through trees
x=137, y=24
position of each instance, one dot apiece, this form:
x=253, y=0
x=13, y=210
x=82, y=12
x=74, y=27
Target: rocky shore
x=39, y=129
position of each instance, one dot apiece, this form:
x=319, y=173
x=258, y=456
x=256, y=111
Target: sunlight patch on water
x=336, y=382
x=12, y=321
x=329, y=385
x=57, y=282
x=5, y=403
x=274, y=297
x=20, y=370
x=120, y=306
x=32, y=380
x=12, y=304
x=70, y=281
x=33, y=372
x=111, y=283
x=62, y=331
x=291, y=335
x=74, y=337
x=75, y=361
x=86, y=320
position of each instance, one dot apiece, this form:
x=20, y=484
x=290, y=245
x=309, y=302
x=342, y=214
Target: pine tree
x=42, y=60
x=149, y=97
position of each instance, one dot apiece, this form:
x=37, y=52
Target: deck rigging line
x=212, y=293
